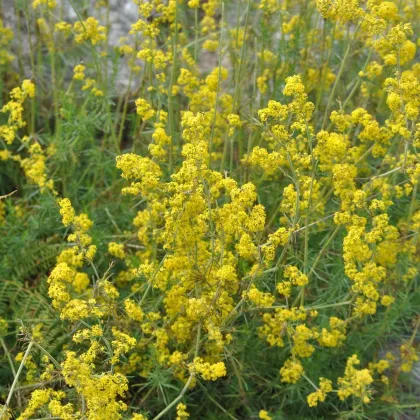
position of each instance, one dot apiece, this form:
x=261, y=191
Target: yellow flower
x=122, y=344
x=207, y=370
x=144, y=109
x=355, y=382
x=51, y=4
x=67, y=211
x=102, y=393
x=259, y=298
x=117, y=250
x=291, y=371
x=263, y=414
x=133, y=310
x=63, y=27
x=325, y=386
x=387, y=300
x=79, y=72
x=181, y=412
x=408, y=357
x=89, y=30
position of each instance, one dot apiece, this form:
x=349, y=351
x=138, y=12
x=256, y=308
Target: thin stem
x=213, y=125
x=186, y=386
x=331, y=305
x=215, y=402
x=170, y=93
x=32, y=61
x=337, y=80
x=238, y=71
x=308, y=210
x=12, y=388
x=56, y=364
x=177, y=399
x=335, y=231
x=125, y=107
x=316, y=388
x=195, y=34
x=413, y=202
x=12, y=365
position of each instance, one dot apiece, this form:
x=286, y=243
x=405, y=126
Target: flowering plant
x=231, y=231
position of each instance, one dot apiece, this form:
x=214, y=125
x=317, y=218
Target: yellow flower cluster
x=64, y=28
x=116, y=250
x=101, y=393
x=79, y=72
x=291, y=371
x=144, y=109
x=6, y=36
x=408, y=356
x=355, y=382
x=208, y=371
x=133, y=310
x=181, y=412
x=15, y=109
x=89, y=30
x=42, y=397
x=325, y=386
x=122, y=344
x=143, y=171
x=51, y=4
x=295, y=278
x=35, y=167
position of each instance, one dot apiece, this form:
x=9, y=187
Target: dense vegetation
x=216, y=219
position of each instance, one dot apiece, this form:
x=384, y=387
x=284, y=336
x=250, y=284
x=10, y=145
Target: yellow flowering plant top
x=212, y=212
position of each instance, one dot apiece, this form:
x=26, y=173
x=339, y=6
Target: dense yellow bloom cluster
x=89, y=30
x=101, y=392
x=325, y=386
x=42, y=397
x=143, y=171
x=63, y=27
x=79, y=72
x=355, y=382
x=64, y=280
x=122, y=344
x=336, y=336
x=133, y=310
x=15, y=109
x=35, y=167
x=207, y=370
x=181, y=412
x=294, y=277
x=259, y=298
x=291, y=371
x=144, y=109
x=67, y=211
x=51, y=4
x=116, y=250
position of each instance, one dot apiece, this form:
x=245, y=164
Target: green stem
x=12, y=366
x=56, y=364
x=213, y=125
x=187, y=385
x=337, y=80
x=177, y=399
x=12, y=388
x=170, y=95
